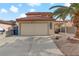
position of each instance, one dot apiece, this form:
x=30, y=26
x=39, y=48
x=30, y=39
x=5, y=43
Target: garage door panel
x=27, y=29
x=34, y=29
x=41, y=29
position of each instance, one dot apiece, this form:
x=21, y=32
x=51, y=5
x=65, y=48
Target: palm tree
x=62, y=12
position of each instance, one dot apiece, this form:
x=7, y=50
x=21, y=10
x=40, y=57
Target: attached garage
x=34, y=29
x=36, y=23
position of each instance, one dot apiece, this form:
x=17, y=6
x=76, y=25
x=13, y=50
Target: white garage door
x=34, y=29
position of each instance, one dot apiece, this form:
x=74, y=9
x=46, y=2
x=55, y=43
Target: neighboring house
x=70, y=28
x=7, y=25
x=36, y=23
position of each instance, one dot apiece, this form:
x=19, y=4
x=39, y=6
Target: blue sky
x=11, y=11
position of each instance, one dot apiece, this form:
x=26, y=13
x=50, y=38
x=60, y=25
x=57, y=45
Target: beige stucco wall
x=71, y=30
x=51, y=31
x=6, y=26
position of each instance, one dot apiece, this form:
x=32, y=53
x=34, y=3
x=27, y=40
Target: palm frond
x=63, y=11
x=55, y=7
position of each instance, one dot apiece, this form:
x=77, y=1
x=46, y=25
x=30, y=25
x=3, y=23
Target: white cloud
x=3, y=10
x=32, y=10
x=67, y=4
x=34, y=4
x=22, y=15
x=59, y=20
x=13, y=9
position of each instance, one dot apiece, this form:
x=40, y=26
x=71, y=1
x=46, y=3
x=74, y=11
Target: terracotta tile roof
x=45, y=16
x=36, y=13
x=8, y=22
x=63, y=21
x=35, y=19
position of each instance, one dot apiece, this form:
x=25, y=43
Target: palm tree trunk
x=76, y=23
x=77, y=33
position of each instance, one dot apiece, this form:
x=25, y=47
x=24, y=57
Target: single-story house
x=36, y=23
x=7, y=25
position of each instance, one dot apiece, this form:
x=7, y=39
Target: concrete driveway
x=29, y=46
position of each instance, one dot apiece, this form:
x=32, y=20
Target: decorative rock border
x=73, y=39
x=56, y=36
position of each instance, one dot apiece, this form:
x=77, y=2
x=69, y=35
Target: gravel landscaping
x=68, y=47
